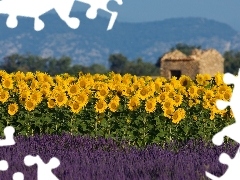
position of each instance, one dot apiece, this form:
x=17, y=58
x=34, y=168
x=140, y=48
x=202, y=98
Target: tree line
x=118, y=64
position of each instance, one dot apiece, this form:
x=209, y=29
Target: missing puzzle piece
x=95, y=5
x=3, y=165
x=36, y=8
x=8, y=133
x=44, y=170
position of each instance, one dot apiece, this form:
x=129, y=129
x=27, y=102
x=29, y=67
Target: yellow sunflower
x=113, y=105
x=30, y=105
x=12, y=109
x=51, y=103
x=101, y=106
x=7, y=83
x=133, y=103
x=178, y=115
x=76, y=107
x=73, y=90
x=4, y=95
x=61, y=99
x=150, y=105
x=185, y=80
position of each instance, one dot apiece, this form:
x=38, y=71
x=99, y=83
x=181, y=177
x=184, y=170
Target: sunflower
x=30, y=105
x=222, y=88
x=61, y=99
x=168, y=103
x=208, y=94
x=174, y=82
x=158, y=86
x=113, y=105
x=12, y=109
x=227, y=95
x=168, y=87
x=192, y=90
x=117, y=78
x=7, y=83
x=34, y=84
x=128, y=91
x=82, y=98
x=185, y=81
x=83, y=82
x=75, y=107
x=133, y=103
x=24, y=95
x=4, y=95
x=101, y=106
x=29, y=76
x=18, y=76
x=161, y=97
x=36, y=96
x=200, y=79
x=150, y=105
x=178, y=100
x=168, y=112
x=51, y=103
x=45, y=85
x=73, y=90
x=200, y=90
x=218, y=79
x=178, y=115
x=102, y=92
x=143, y=93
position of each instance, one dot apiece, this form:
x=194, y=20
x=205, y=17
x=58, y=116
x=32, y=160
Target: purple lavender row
x=93, y=159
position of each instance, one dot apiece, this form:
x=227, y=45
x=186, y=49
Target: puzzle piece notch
x=95, y=5
x=232, y=172
x=8, y=133
x=36, y=8
x=44, y=170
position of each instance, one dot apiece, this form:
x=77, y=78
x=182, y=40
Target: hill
x=91, y=43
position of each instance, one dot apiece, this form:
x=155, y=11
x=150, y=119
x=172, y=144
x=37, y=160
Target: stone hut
x=199, y=62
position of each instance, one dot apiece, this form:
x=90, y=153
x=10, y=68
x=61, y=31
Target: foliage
x=232, y=61
x=139, y=110
x=120, y=64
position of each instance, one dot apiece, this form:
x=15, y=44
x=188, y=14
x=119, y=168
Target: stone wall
x=187, y=67
x=199, y=62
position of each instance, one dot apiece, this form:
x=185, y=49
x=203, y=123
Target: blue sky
x=226, y=11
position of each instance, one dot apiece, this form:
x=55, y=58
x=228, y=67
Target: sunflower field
x=139, y=110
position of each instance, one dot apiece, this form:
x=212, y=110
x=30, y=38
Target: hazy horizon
x=157, y=10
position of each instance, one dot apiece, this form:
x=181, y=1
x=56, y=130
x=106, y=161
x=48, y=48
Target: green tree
x=231, y=61
x=184, y=48
x=118, y=63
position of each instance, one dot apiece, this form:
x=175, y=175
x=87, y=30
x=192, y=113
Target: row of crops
x=95, y=124
x=97, y=159
x=139, y=110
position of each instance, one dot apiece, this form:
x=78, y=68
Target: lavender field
x=97, y=159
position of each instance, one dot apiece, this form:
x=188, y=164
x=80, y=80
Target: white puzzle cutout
x=232, y=131
x=101, y=4
x=36, y=8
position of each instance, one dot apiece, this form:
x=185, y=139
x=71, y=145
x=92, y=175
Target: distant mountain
x=91, y=43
